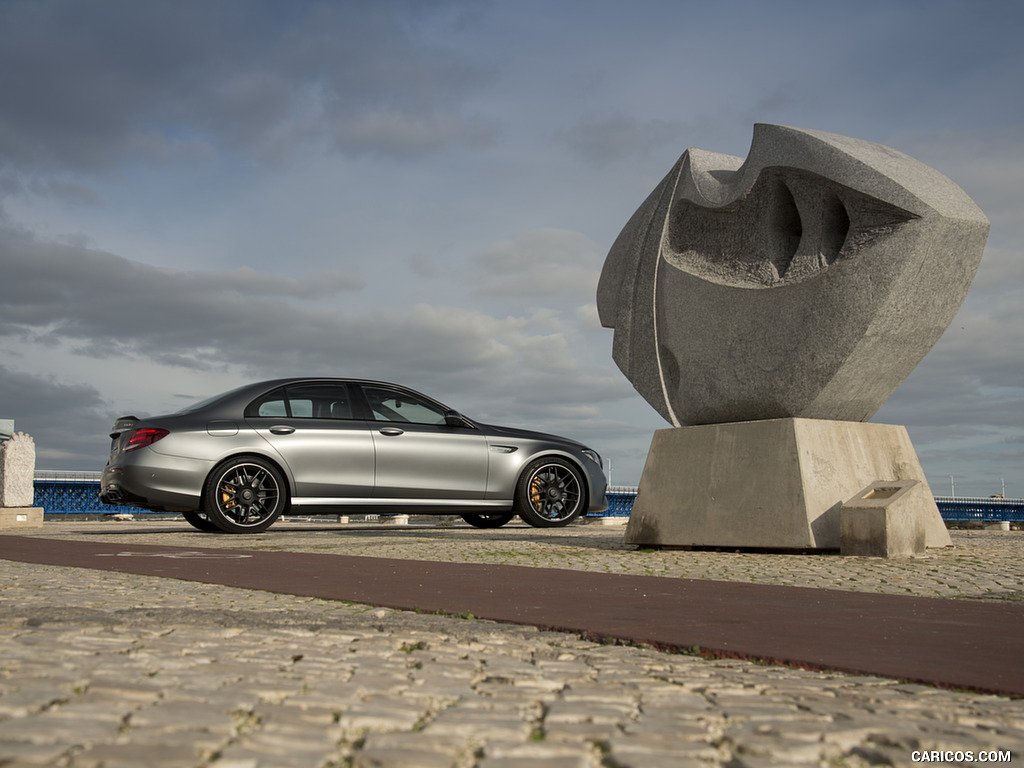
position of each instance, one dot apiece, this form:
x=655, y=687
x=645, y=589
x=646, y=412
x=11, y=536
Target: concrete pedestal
x=21, y=517
x=774, y=484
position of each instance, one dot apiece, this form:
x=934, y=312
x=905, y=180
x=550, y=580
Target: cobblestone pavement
x=109, y=670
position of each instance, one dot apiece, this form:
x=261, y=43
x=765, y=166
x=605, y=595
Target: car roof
x=247, y=392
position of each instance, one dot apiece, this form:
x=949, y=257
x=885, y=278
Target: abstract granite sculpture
x=17, y=469
x=804, y=282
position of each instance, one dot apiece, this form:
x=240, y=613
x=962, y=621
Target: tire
x=200, y=521
x=488, y=520
x=550, y=493
x=244, y=495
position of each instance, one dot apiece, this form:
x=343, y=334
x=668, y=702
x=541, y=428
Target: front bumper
x=598, y=484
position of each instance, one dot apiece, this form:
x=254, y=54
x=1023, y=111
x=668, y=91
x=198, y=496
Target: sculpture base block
x=883, y=521
x=774, y=484
x=21, y=517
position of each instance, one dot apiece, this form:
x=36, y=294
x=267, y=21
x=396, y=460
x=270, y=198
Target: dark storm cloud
x=103, y=305
x=90, y=85
x=68, y=422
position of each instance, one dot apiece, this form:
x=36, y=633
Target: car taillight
x=142, y=437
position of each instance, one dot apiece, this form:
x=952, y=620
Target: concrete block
x=20, y=517
x=773, y=484
x=883, y=520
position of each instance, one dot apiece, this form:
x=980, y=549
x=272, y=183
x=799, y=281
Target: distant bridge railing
x=71, y=492
x=986, y=510
x=619, y=499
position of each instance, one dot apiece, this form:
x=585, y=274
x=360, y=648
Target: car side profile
x=238, y=461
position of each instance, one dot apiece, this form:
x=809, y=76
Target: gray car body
x=336, y=465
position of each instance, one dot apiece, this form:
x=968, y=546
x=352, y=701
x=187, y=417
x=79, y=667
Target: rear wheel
x=550, y=493
x=200, y=521
x=488, y=520
x=244, y=495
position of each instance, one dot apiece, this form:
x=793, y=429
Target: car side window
x=320, y=401
x=271, y=405
x=402, y=407
x=305, y=401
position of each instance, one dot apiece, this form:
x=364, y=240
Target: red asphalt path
x=967, y=644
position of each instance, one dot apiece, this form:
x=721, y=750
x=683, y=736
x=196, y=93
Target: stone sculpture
x=806, y=281
x=17, y=471
x=778, y=301
x=17, y=467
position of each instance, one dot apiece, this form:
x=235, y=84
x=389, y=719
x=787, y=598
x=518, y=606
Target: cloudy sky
x=194, y=195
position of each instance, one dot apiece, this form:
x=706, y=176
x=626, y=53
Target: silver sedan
x=240, y=460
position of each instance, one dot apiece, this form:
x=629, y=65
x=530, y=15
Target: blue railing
x=619, y=499
x=70, y=493
x=987, y=510
x=77, y=493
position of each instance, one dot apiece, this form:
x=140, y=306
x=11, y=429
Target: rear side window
x=272, y=406
x=319, y=401
x=305, y=401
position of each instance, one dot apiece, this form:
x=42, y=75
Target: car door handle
x=281, y=430
x=392, y=431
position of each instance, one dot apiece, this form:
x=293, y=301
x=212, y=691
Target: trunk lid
x=124, y=425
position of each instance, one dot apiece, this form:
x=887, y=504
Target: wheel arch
x=584, y=476
x=279, y=466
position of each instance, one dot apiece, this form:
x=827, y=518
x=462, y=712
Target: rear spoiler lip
x=122, y=424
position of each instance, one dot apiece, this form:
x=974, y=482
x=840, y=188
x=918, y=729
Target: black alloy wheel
x=550, y=493
x=244, y=495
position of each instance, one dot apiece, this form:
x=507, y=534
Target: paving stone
x=382, y=713
x=183, y=716
x=397, y=757
x=478, y=724
x=24, y=753
x=134, y=755
x=588, y=712
x=414, y=750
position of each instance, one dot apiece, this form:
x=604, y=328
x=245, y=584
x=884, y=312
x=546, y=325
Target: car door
x=329, y=453
x=419, y=456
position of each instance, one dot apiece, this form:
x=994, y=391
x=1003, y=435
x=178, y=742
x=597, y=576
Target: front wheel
x=550, y=493
x=244, y=495
x=488, y=520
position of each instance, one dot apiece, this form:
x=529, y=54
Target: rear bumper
x=154, y=481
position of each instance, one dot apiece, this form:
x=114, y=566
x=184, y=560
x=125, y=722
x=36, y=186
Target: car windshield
x=209, y=401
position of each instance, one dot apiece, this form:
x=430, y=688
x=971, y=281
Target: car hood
x=493, y=430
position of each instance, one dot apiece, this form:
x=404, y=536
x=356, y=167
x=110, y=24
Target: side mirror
x=453, y=419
